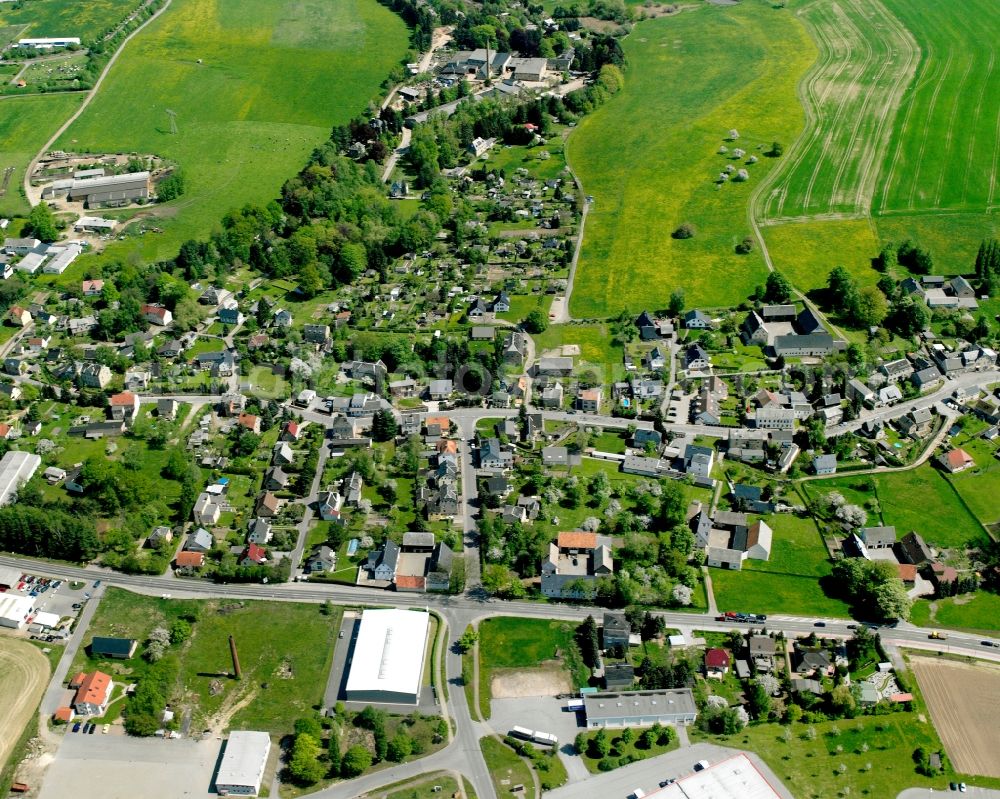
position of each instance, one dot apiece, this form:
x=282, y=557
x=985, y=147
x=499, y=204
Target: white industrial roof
x=389, y=652
x=15, y=607
x=10, y=576
x=46, y=619
x=734, y=778
x=245, y=758
x=16, y=468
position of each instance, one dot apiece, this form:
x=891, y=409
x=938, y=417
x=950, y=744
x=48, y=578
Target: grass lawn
x=516, y=643
x=25, y=125
x=540, y=166
x=649, y=156
x=810, y=769
x=434, y=786
x=263, y=96
x=979, y=611
x=945, y=138
x=904, y=499
x=597, y=353
x=952, y=239
x=523, y=304
x=752, y=591
x=805, y=252
x=505, y=767
x=286, y=646
x=979, y=486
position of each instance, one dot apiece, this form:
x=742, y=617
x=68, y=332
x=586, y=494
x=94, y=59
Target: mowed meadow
x=650, y=156
x=274, y=76
x=26, y=123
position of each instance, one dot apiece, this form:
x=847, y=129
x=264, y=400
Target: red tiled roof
x=901, y=698
x=577, y=539
x=958, y=458
x=907, y=572
x=194, y=559
x=93, y=689
x=4, y=430
x=255, y=552
x=292, y=428
x=442, y=421
x=63, y=714
x=446, y=445
x=248, y=420
x=409, y=581
x=124, y=398
x=717, y=658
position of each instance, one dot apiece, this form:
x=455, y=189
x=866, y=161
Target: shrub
x=745, y=247
x=685, y=231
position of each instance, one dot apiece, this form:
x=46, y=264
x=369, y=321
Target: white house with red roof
x=291, y=431
x=717, y=662
x=253, y=553
x=93, y=692
x=156, y=314
x=123, y=407
x=956, y=460
x=92, y=288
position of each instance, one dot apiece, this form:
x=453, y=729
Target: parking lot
x=50, y=595
x=118, y=767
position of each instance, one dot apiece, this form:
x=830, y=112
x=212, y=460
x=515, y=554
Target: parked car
x=92, y=730
x=76, y=727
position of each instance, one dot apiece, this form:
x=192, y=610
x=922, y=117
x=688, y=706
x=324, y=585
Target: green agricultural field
x=867, y=60
x=979, y=487
x=25, y=125
x=250, y=105
x=945, y=148
x=650, y=156
x=805, y=252
x=48, y=18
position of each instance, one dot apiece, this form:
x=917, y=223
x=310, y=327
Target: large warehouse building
x=111, y=191
x=243, y=764
x=640, y=708
x=16, y=469
x=13, y=609
x=389, y=656
x=733, y=778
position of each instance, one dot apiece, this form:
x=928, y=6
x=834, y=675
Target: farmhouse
x=92, y=693
x=243, y=763
x=389, y=655
x=640, y=708
x=575, y=561
x=956, y=460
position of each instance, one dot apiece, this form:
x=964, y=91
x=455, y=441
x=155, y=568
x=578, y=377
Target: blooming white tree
x=681, y=594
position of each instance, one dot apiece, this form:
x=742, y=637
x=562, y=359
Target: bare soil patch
x=964, y=701
x=25, y=672
x=518, y=683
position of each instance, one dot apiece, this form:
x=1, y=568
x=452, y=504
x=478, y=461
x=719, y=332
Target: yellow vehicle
x=937, y=636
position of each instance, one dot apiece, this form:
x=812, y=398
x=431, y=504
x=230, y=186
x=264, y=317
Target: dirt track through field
x=24, y=672
x=964, y=701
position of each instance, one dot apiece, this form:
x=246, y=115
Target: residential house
x=93, y=693
x=382, y=563
x=555, y=456
x=556, y=366
x=927, y=378
x=493, y=456
x=956, y=460
x=515, y=348
x=18, y=316
x=252, y=553
x=716, y=663
x=229, y=313
x=123, y=407
x=698, y=461
x=695, y=358
x=322, y=561
x=825, y=464
x=705, y=408
x=156, y=314
x=896, y=371
x=249, y=421
x=281, y=318
x=276, y=479
x=199, y=541
x=912, y=549
x=551, y=395
x=440, y=389
x=619, y=676
x=267, y=505
x=352, y=494
x=95, y=375
x=878, y=538
x=259, y=532
x=857, y=391
x=589, y=400
x=316, y=334
x=328, y=506
x=615, y=630
x=762, y=652
x=697, y=320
